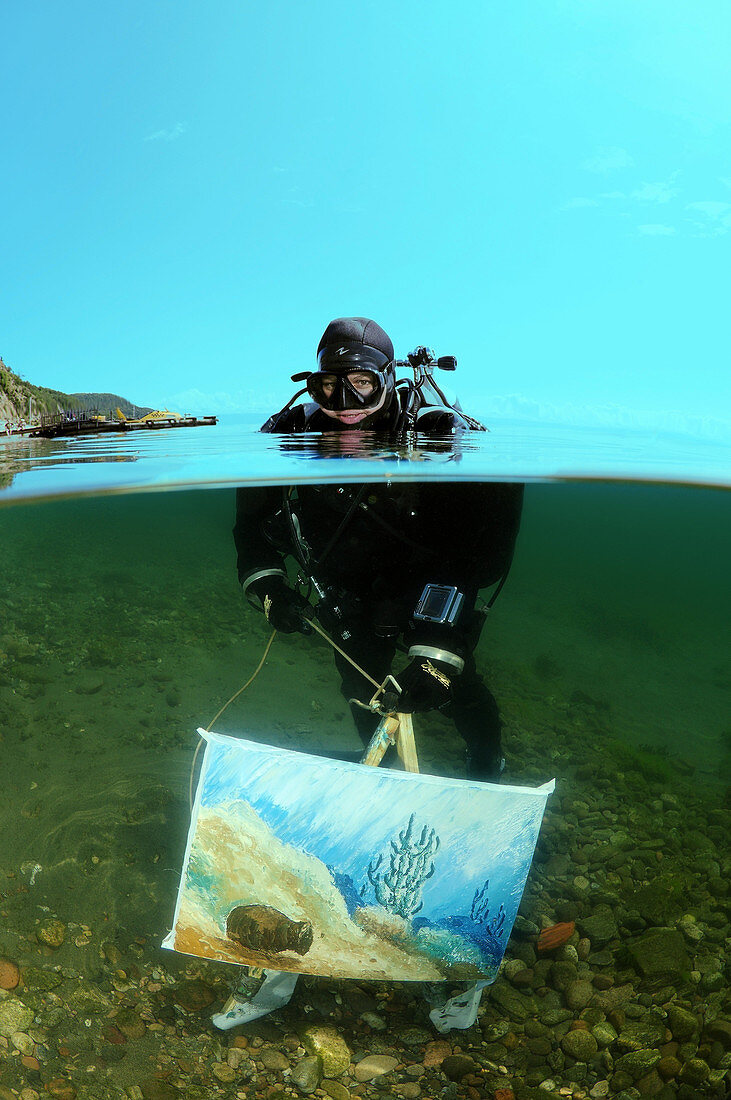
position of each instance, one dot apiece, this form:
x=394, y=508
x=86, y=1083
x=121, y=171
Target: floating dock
x=59, y=426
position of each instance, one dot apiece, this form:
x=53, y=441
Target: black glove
x=425, y=685
x=285, y=609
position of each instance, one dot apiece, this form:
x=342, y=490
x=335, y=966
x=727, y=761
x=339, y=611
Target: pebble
x=604, y=1034
x=224, y=1073
x=580, y=1045
x=237, y=1056
x=669, y=1067
x=638, y=1062
x=14, y=1016
x=306, y=1075
x=335, y=1090
x=374, y=1021
x=274, y=1059
x=61, y=1088
x=457, y=1066
x=694, y=1072
x=194, y=995
x=720, y=1031
x=413, y=1036
x=436, y=1052
x=9, y=974
x=326, y=1043
x=682, y=1023
x=88, y=685
x=374, y=1065
x=22, y=1042
x=578, y=994
x=512, y=967
x=130, y=1024
x=52, y=933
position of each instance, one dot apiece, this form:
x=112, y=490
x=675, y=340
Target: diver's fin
x=459, y=1011
x=275, y=991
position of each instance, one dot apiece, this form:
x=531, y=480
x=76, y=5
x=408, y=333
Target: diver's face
x=363, y=384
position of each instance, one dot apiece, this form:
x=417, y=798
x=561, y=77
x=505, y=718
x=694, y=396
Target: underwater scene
x=123, y=630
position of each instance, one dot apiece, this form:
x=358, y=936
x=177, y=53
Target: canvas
x=302, y=864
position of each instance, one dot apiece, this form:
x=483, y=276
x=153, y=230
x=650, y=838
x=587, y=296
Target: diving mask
x=350, y=378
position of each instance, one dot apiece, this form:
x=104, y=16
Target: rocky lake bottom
x=121, y=632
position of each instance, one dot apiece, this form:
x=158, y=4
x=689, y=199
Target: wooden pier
x=62, y=425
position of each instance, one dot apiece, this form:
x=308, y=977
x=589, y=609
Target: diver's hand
x=285, y=609
x=425, y=685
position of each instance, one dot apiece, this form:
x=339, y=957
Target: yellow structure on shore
x=158, y=414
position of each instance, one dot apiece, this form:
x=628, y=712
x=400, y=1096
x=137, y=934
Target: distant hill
x=106, y=403
x=19, y=399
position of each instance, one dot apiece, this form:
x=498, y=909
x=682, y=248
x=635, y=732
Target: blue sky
x=192, y=192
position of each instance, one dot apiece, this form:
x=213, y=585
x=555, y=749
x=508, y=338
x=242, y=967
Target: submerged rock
x=637, y=1036
x=52, y=933
x=9, y=974
x=579, y=1044
x=599, y=927
x=720, y=1031
x=682, y=1023
x=373, y=1066
x=14, y=1016
x=638, y=1062
x=659, y=898
x=457, y=1066
x=326, y=1043
x=660, y=952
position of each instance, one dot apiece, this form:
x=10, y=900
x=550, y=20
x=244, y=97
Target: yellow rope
x=251, y=679
x=347, y=657
x=223, y=708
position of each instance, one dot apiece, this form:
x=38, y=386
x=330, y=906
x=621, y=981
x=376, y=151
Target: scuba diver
x=388, y=563
x=355, y=386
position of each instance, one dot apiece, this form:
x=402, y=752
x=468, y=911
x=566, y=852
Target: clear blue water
x=234, y=452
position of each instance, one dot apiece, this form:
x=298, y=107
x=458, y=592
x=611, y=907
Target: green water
x=122, y=629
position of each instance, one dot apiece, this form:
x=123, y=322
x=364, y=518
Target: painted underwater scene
x=325, y=867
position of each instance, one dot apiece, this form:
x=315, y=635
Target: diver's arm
x=437, y=657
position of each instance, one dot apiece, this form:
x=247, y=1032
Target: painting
x=315, y=866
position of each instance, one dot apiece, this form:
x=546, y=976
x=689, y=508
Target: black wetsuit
x=372, y=549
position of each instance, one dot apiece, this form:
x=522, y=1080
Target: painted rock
x=261, y=928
